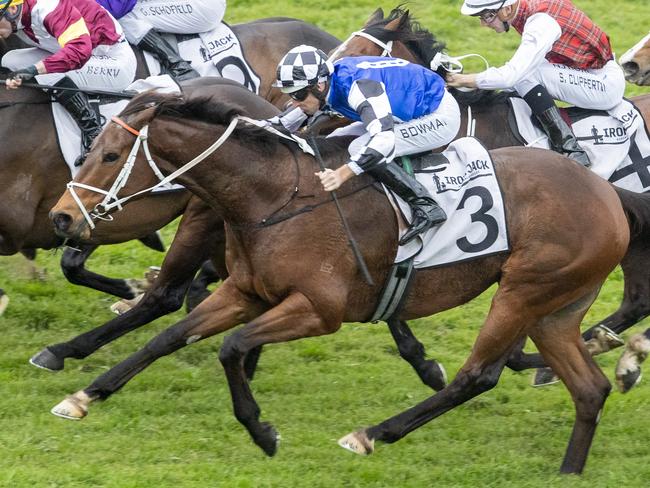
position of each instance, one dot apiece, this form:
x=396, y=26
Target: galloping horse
x=491, y=112
x=636, y=62
x=293, y=276
x=34, y=174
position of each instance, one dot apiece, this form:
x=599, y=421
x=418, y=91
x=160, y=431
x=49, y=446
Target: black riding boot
x=560, y=135
x=170, y=61
x=426, y=212
x=77, y=104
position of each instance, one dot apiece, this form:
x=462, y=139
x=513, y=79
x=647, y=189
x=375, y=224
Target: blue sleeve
x=117, y=8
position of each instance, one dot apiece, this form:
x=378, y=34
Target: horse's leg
x=558, y=339
x=4, y=301
x=224, y=309
x=73, y=266
x=628, y=368
x=501, y=332
x=294, y=318
x=190, y=247
x=410, y=349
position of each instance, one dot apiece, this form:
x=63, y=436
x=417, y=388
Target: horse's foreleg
x=411, y=350
x=558, y=339
x=503, y=329
x=224, y=309
x=293, y=318
x=628, y=368
x=73, y=266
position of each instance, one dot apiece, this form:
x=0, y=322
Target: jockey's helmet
x=302, y=66
x=475, y=7
x=5, y=4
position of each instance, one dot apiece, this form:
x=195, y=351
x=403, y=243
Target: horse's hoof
x=603, y=339
x=435, y=376
x=269, y=439
x=628, y=380
x=123, y=306
x=70, y=409
x=4, y=301
x=544, y=377
x=358, y=443
x=47, y=360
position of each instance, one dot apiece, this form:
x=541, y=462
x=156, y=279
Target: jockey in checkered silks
x=401, y=108
x=76, y=44
x=563, y=55
x=144, y=20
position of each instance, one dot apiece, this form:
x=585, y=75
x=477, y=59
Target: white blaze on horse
x=636, y=63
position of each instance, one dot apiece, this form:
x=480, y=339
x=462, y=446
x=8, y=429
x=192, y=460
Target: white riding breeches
x=596, y=89
x=109, y=67
x=172, y=16
x=426, y=133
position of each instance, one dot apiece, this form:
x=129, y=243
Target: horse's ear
x=399, y=23
x=376, y=16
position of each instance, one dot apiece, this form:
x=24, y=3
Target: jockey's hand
x=459, y=80
x=15, y=78
x=333, y=179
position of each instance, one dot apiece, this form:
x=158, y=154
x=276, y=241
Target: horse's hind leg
x=558, y=339
x=411, y=350
x=224, y=309
x=501, y=332
x=4, y=301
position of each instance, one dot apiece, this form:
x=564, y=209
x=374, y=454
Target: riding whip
x=351, y=240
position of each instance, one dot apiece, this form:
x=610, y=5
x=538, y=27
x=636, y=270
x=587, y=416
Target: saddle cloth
x=620, y=157
x=464, y=184
x=214, y=53
x=69, y=134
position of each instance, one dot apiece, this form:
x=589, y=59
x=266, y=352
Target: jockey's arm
x=368, y=98
x=540, y=33
x=71, y=32
x=291, y=119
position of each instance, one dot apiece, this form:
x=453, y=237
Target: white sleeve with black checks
x=368, y=98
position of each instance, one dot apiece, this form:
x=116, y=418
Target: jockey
x=562, y=55
x=144, y=20
x=404, y=109
x=77, y=44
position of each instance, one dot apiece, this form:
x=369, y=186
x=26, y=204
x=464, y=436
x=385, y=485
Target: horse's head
x=636, y=63
x=138, y=148
x=397, y=35
x=86, y=198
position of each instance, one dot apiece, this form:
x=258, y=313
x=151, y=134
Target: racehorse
x=636, y=62
x=293, y=276
x=408, y=40
x=34, y=174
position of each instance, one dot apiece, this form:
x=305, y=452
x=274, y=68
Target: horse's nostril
x=62, y=221
x=630, y=68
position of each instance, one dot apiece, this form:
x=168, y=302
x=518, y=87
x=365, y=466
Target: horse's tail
x=637, y=209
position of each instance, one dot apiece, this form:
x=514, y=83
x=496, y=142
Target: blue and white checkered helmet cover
x=302, y=66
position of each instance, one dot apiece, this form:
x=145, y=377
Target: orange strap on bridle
x=126, y=126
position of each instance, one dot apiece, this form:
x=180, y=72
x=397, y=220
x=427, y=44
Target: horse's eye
x=111, y=157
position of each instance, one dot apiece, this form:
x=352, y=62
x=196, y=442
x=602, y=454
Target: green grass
x=172, y=426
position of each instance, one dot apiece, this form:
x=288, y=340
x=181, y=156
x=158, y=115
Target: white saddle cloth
x=619, y=157
x=214, y=53
x=467, y=189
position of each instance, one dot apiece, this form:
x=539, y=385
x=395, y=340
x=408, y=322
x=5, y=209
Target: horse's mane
x=481, y=98
x=419, y=40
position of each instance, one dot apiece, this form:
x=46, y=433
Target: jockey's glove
x=24, y=74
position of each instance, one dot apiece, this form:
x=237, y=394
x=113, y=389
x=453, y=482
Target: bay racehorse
x=636, y=62
x=491, y=111
x=34, y=174
x=200, y=235
x=292, y=274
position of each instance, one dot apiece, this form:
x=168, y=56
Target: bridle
x=102, y=210
x=111, y=200
x=386, y=46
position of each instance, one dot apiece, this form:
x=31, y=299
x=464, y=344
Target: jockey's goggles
x=4, y=6
x=300, y=95
x=488, y=16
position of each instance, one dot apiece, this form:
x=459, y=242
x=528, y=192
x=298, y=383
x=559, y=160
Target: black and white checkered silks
x=368, y=98
x=301, y=67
